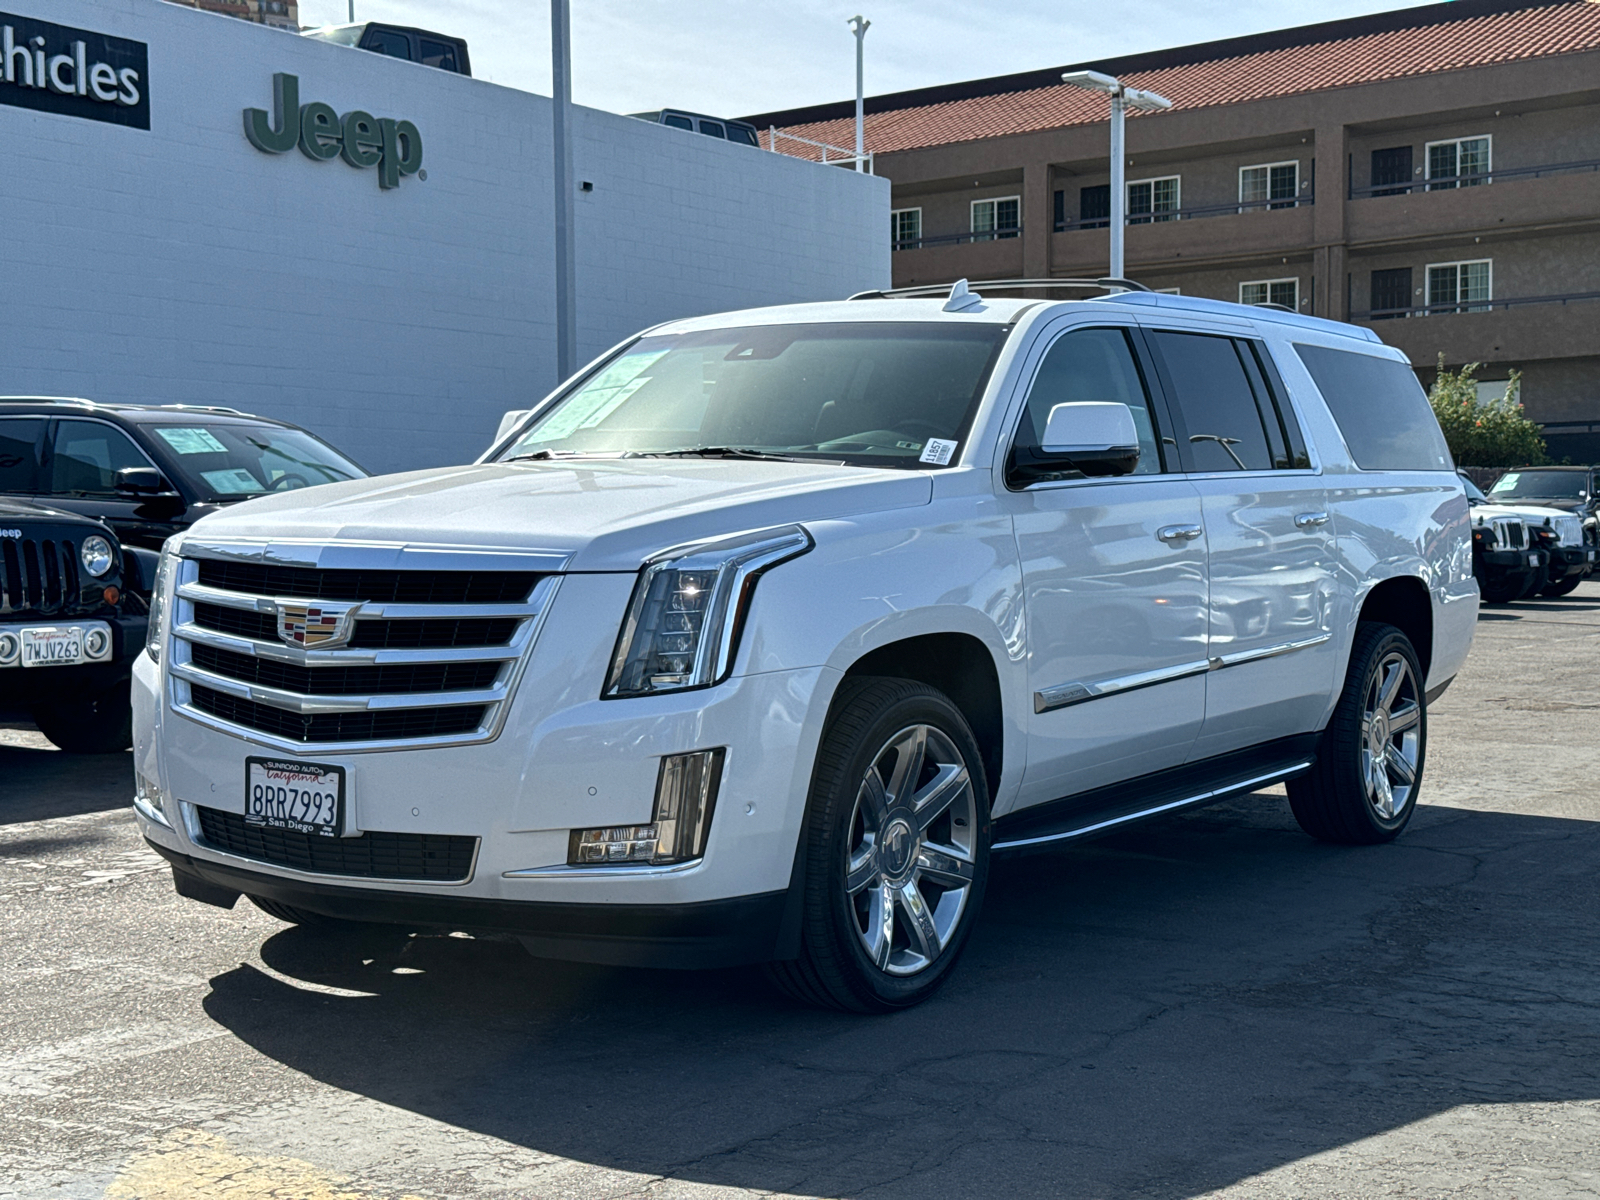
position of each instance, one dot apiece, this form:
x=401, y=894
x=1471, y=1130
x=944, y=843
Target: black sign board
x=73, y=72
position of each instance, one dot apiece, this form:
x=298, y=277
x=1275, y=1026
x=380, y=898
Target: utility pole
x=352, y=12
x=859, y=25
x=566, y=241
x=1121, y=97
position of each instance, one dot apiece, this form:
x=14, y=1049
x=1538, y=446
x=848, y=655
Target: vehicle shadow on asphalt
x=1159, y=1014
x=38, y=784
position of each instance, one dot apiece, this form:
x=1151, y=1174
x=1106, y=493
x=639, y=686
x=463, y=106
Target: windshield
x=1546, y=485
x=230, y=461
x=872, y=394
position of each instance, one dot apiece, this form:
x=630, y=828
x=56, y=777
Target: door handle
x=1173, y=534
x=1310, y=520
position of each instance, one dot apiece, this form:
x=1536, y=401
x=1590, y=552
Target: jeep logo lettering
x=361, y=139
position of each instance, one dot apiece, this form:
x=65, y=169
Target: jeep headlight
x=688, y=605
x=158, y=599
x=95, y=555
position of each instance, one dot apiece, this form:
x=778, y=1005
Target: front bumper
x=563, y=760
x=710, y=933
x=1514, y=560
x=1571, y=560
x=26, y=688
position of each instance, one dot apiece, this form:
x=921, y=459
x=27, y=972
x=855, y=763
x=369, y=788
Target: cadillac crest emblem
x=316, y=626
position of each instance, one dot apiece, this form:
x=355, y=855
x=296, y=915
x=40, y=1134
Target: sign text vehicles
x=361, y=139
x=74, y=72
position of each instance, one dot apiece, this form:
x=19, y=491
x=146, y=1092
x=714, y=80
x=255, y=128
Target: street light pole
x=859, y=25
x=1121, y=97
x=566, y=240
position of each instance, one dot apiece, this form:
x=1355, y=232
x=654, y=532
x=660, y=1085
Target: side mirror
x=1096, y=437
x=144, y=481
x=509, y=422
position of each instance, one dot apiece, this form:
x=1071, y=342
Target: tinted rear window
x=1381, y=410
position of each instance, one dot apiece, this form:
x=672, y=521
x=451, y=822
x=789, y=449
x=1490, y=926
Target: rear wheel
x=896, y=853
x=1363, y=788
x=1563, y=587
x=100, y=725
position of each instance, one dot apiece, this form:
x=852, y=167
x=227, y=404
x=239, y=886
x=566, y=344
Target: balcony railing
x=1445, y=183
x=1186, y=214
x=1465, y=306
x=956, y=239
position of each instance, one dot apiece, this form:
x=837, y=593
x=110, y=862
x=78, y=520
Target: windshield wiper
x=544, y=455
x=724, y=452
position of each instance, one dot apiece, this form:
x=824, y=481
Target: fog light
x=149, y=800
x=96, y=643
x=686, y=795
x=10, y=647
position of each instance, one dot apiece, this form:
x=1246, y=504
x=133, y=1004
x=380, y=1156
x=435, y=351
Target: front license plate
x=1533, y=560
x=302, y=797
x=47, y=647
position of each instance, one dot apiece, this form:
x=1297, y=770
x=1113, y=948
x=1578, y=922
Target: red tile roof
x=1450, y=45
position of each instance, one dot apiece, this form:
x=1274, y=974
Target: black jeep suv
x=72, y=621
x=149, y=471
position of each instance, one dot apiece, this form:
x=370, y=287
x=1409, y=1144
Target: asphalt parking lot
x=1209, y=1006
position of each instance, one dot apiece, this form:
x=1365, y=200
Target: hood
x=13, y=509
x=1533, y=514
x=608, y=515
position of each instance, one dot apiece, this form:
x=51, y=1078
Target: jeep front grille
x=39, y=576
x=425, y=658
x=1510, y=534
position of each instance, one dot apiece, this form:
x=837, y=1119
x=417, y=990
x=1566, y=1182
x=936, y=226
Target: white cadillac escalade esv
x=758, y=639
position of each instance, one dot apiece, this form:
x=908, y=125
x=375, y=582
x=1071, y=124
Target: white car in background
x=759, y=638
x=1570, y=553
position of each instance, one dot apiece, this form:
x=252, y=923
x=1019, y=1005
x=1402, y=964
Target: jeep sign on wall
x=361, y=139
x=73, y=72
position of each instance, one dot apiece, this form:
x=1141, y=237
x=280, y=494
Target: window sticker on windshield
x=597, y=400
x=938, y=452
x=186, y=440
x=1506, y=482
x=233, y=482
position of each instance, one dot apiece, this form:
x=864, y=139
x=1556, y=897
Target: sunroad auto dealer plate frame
x=298, y=797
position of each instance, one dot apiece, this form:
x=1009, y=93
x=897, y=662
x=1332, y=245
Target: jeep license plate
x=49, y=647
x=297, y=796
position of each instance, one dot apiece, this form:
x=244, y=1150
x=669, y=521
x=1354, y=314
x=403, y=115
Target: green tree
x=1484, y=433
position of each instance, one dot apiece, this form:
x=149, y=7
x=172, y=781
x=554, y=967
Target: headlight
x=154, y=632
x=683, y=622
x=95, y=555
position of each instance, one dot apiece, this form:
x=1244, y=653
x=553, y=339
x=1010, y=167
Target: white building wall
x=182, y=265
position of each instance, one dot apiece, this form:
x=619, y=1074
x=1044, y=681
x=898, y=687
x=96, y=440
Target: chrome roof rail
x=1108, y=283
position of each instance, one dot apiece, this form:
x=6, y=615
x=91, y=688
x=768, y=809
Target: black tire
x=299, y=916
x=1563, y=587
x=1504, y=588
x=100, y=725
x=900, y=860
x=1536, y=584
x=1338, y=800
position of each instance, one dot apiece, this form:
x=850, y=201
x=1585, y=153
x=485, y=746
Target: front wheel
x=99, y=725
x=1563, y=587
x=896, y=850
x=1363, y=788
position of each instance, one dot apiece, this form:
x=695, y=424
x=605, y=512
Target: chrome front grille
x=359, y=657
x=1568, y=529
x=1510, y=534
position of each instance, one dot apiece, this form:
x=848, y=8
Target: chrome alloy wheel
x=909, y=855
x=1391, y=736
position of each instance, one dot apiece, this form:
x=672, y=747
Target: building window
x=1392, y=166
x=1460, y=156
x=1270, y=185
x=1282, y=292
x=1460, y=287
x=905, y=229
x=996, y=218
x=1391, y=292
x=1094, y=207
x=1153, y=200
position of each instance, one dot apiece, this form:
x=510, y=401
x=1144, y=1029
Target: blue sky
x=729, y=58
